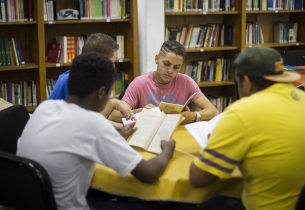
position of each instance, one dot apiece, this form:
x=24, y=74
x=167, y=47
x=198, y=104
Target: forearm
x=208, y=113
x=149, y=171
x=115, y=116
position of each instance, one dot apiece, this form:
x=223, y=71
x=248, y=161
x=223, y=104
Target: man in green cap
x=262, y=134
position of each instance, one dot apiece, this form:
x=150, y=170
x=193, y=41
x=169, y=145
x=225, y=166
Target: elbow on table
x=150, y=179
x=147, y=172
x=202, y=183
x=200, y=178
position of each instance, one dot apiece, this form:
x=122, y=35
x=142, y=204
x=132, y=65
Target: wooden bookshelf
x=231, y=17
x=36, y=34
x=178, y=16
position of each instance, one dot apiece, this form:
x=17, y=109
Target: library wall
x=151, y=32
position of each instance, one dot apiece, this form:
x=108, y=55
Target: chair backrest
x=301, y=201
x=12, y=122
x=24, y=184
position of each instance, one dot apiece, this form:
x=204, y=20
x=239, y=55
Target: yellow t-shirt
x=263, y=135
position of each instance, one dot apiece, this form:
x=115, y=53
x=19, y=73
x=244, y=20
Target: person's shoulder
x=143, y=79
x=244, y=104
x=184, y=77
x=64, y=76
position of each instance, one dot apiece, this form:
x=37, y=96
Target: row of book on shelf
x=199, y=5
x=210, y=35
x=23, y=92
x=218, y=69
x=220, y=102
x=263, y=5
x=65, y=48
x=283, y=32
x=10, y=52
x=91, y=9
x=16, y=10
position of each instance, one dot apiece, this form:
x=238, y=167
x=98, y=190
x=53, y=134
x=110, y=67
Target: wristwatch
x=198, y=116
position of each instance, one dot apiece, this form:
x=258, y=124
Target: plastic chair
x=12, y=122
x=25, y=184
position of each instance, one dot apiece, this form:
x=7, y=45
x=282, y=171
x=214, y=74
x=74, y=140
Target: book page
x=147, y=126
x=126, y=121
x=201, y=130
x=169, y=124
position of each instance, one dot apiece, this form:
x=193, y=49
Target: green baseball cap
x=263, y=62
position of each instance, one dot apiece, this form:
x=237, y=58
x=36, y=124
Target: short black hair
x=101, y=43
x=89, y=72
x=172, y=46
x=259, y=82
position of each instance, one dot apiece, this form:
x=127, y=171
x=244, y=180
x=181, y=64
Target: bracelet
x=198, y=116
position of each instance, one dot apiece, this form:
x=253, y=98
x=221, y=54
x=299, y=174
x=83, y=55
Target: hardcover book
x=53, y=52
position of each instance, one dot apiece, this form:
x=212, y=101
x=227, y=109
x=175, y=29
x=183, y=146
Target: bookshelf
x=218, y=52
x=238, y=14
x=36, y=34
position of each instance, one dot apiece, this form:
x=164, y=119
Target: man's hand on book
x=168, y=147
x=123, y=108
x=127, y=130
x=149, y=106
x=188, y=116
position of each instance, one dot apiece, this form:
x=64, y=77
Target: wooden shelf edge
x=18, y=23
x=215, y=83
x=106, y=20
x=272, y=44
x=50, y=65
x=19, y=68
x=273, y=11
x=172, y=13
x=211, y=49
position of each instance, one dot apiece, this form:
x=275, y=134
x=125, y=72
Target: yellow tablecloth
x=174, y=184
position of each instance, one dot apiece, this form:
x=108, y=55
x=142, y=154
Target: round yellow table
x=174, y=184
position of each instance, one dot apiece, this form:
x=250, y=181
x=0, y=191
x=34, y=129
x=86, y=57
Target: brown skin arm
x=121, y=108
x=149, y=171
x=200, y=178
x=127, y=130
x=116, y=115
x=206, y=109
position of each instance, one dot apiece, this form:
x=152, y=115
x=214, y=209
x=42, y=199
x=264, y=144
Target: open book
x=201, y=130
x=174, y=108
x=152, y=127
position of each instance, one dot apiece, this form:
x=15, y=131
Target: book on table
x=152, y=127
x=174, y=108
x=201, y=130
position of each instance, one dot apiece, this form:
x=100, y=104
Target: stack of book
x=199, y=5
x=16, y=10
x=24, y=92
x=218, y=69
x=210, y=35
x=10, y=52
